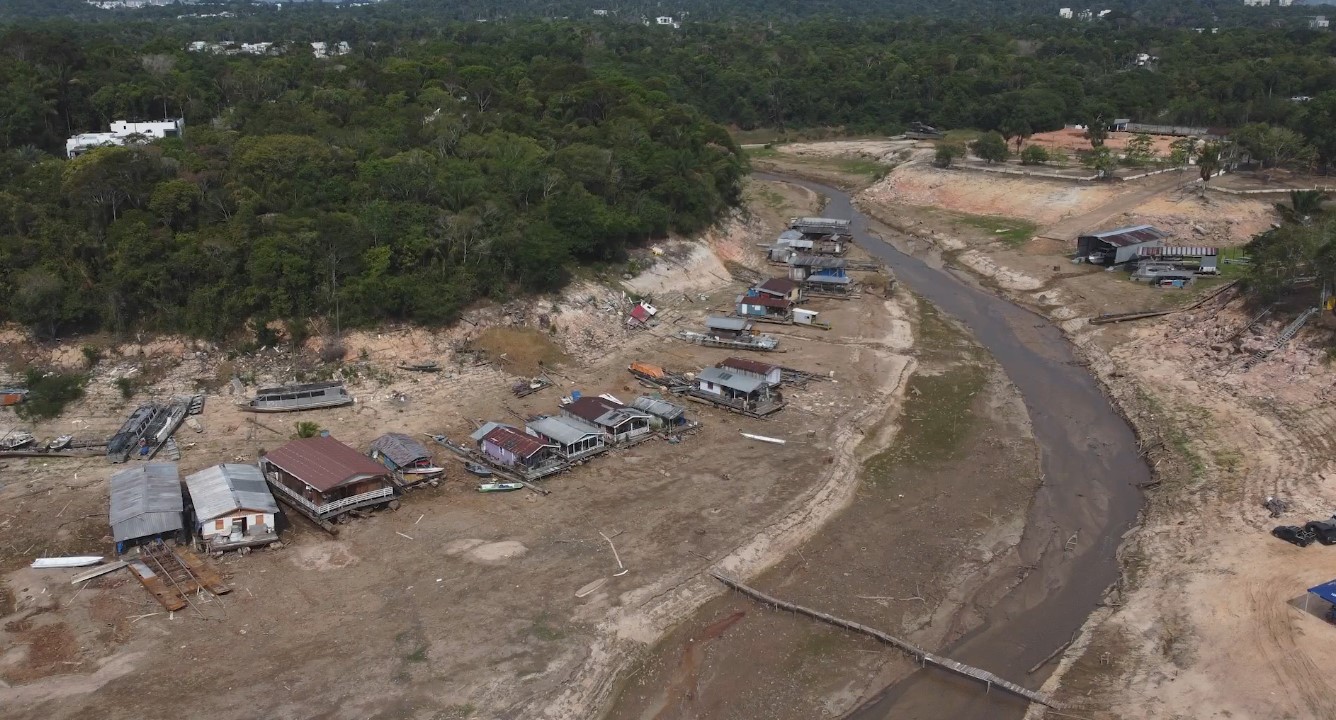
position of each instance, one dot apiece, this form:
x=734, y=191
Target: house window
x=217, y=524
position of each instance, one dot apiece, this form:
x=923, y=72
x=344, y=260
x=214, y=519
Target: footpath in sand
x=458, y=604
x=1208, y=621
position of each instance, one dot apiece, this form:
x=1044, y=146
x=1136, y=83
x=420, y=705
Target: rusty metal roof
x=1131, y=235
x=750, y=366
x=512, y=440
x=777, y=286
x=324, y=463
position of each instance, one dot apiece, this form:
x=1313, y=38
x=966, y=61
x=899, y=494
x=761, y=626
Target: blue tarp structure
x=1326, y=591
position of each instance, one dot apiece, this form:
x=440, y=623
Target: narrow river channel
x=1090, y=493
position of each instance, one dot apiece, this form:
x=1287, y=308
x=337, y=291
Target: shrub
x=127, y=386
x=92, y=355
x=991, y=147
x=307, y=429
x=947, y=154
x=1034, y=155
x=49, y=392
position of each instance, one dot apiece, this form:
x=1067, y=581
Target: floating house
x=782, y=288
x=663, y=413
x=771, y=374
x=510, y=447
x=573, y=439
x=323, y=478
x=748, y=395
x=820, y=226
x=408, y=458
x=1115, y=247
x=145, y=503
x=787, y=244
x=232, y=506
x=617, y=422
x=764, y=307
x=290, y=398
x=727, y=328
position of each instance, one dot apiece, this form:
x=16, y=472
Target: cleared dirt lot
x=474, y=613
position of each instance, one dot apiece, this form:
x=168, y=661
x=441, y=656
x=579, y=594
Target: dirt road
x=1067, y=229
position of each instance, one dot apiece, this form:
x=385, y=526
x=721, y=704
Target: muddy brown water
x=1090, y=497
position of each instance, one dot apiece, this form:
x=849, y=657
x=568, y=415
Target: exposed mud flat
x=927, y=543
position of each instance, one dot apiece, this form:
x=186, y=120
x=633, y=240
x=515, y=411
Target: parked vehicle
x=1324, y=531
x=1301, y=536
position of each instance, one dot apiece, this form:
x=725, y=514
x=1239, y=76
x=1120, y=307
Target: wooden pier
x=922, y=656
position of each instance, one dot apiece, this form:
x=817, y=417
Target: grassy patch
x=861, y=167
x=541, y=630
x=936, y=420
x=419, y=654
x=1174, y=435
x=961, y=137
x=49, y=392
x=1012, y=231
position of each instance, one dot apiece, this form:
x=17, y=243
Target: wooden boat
x=500, y=487
x=423, y=470
x=479, y=470
x=421, y=366
x=67, y=562
x=16, y=440
x=291, y=398
x=60, y=443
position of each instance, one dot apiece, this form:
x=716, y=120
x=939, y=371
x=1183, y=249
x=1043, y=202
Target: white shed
x=233, y=505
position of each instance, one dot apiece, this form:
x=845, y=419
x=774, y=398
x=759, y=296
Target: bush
x=1034, y=155
x=49, y=392
x=991, y=147
x=127, y=386
x=307, y=429
x=947, y=154
x=92, y=355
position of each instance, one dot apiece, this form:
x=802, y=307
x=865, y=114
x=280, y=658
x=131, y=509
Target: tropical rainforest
x=441, y=162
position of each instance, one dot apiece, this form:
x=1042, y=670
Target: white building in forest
x=122, y=132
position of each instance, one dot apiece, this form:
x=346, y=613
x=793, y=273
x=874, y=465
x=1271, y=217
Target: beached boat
x=433, y=470
x=60, y=443
x=67, y=562
x=421, y=366
x=16, y=440
x=291, y=398
x=479, y=470
x=500, y=487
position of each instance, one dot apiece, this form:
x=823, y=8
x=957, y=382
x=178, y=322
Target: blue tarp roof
x=1326, y=591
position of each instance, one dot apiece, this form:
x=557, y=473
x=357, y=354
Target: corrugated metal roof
x=1179, y=251
x=400, y=448
x=563, y=430
x=820, y=261
x=225, y=489
x=726, y=323
x=512, y=440
x=751, y=366
x=829, y=279
x=741, y=383
x=769, y=301
x=487, y=427
x=324, y=463
x=777, y=286
x=592, y=408
x=145, y=500
x=789, y=235
x=661, y=408
x=1131, y=235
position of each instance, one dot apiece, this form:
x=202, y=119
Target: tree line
x=401, y=184
x=438, y=163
